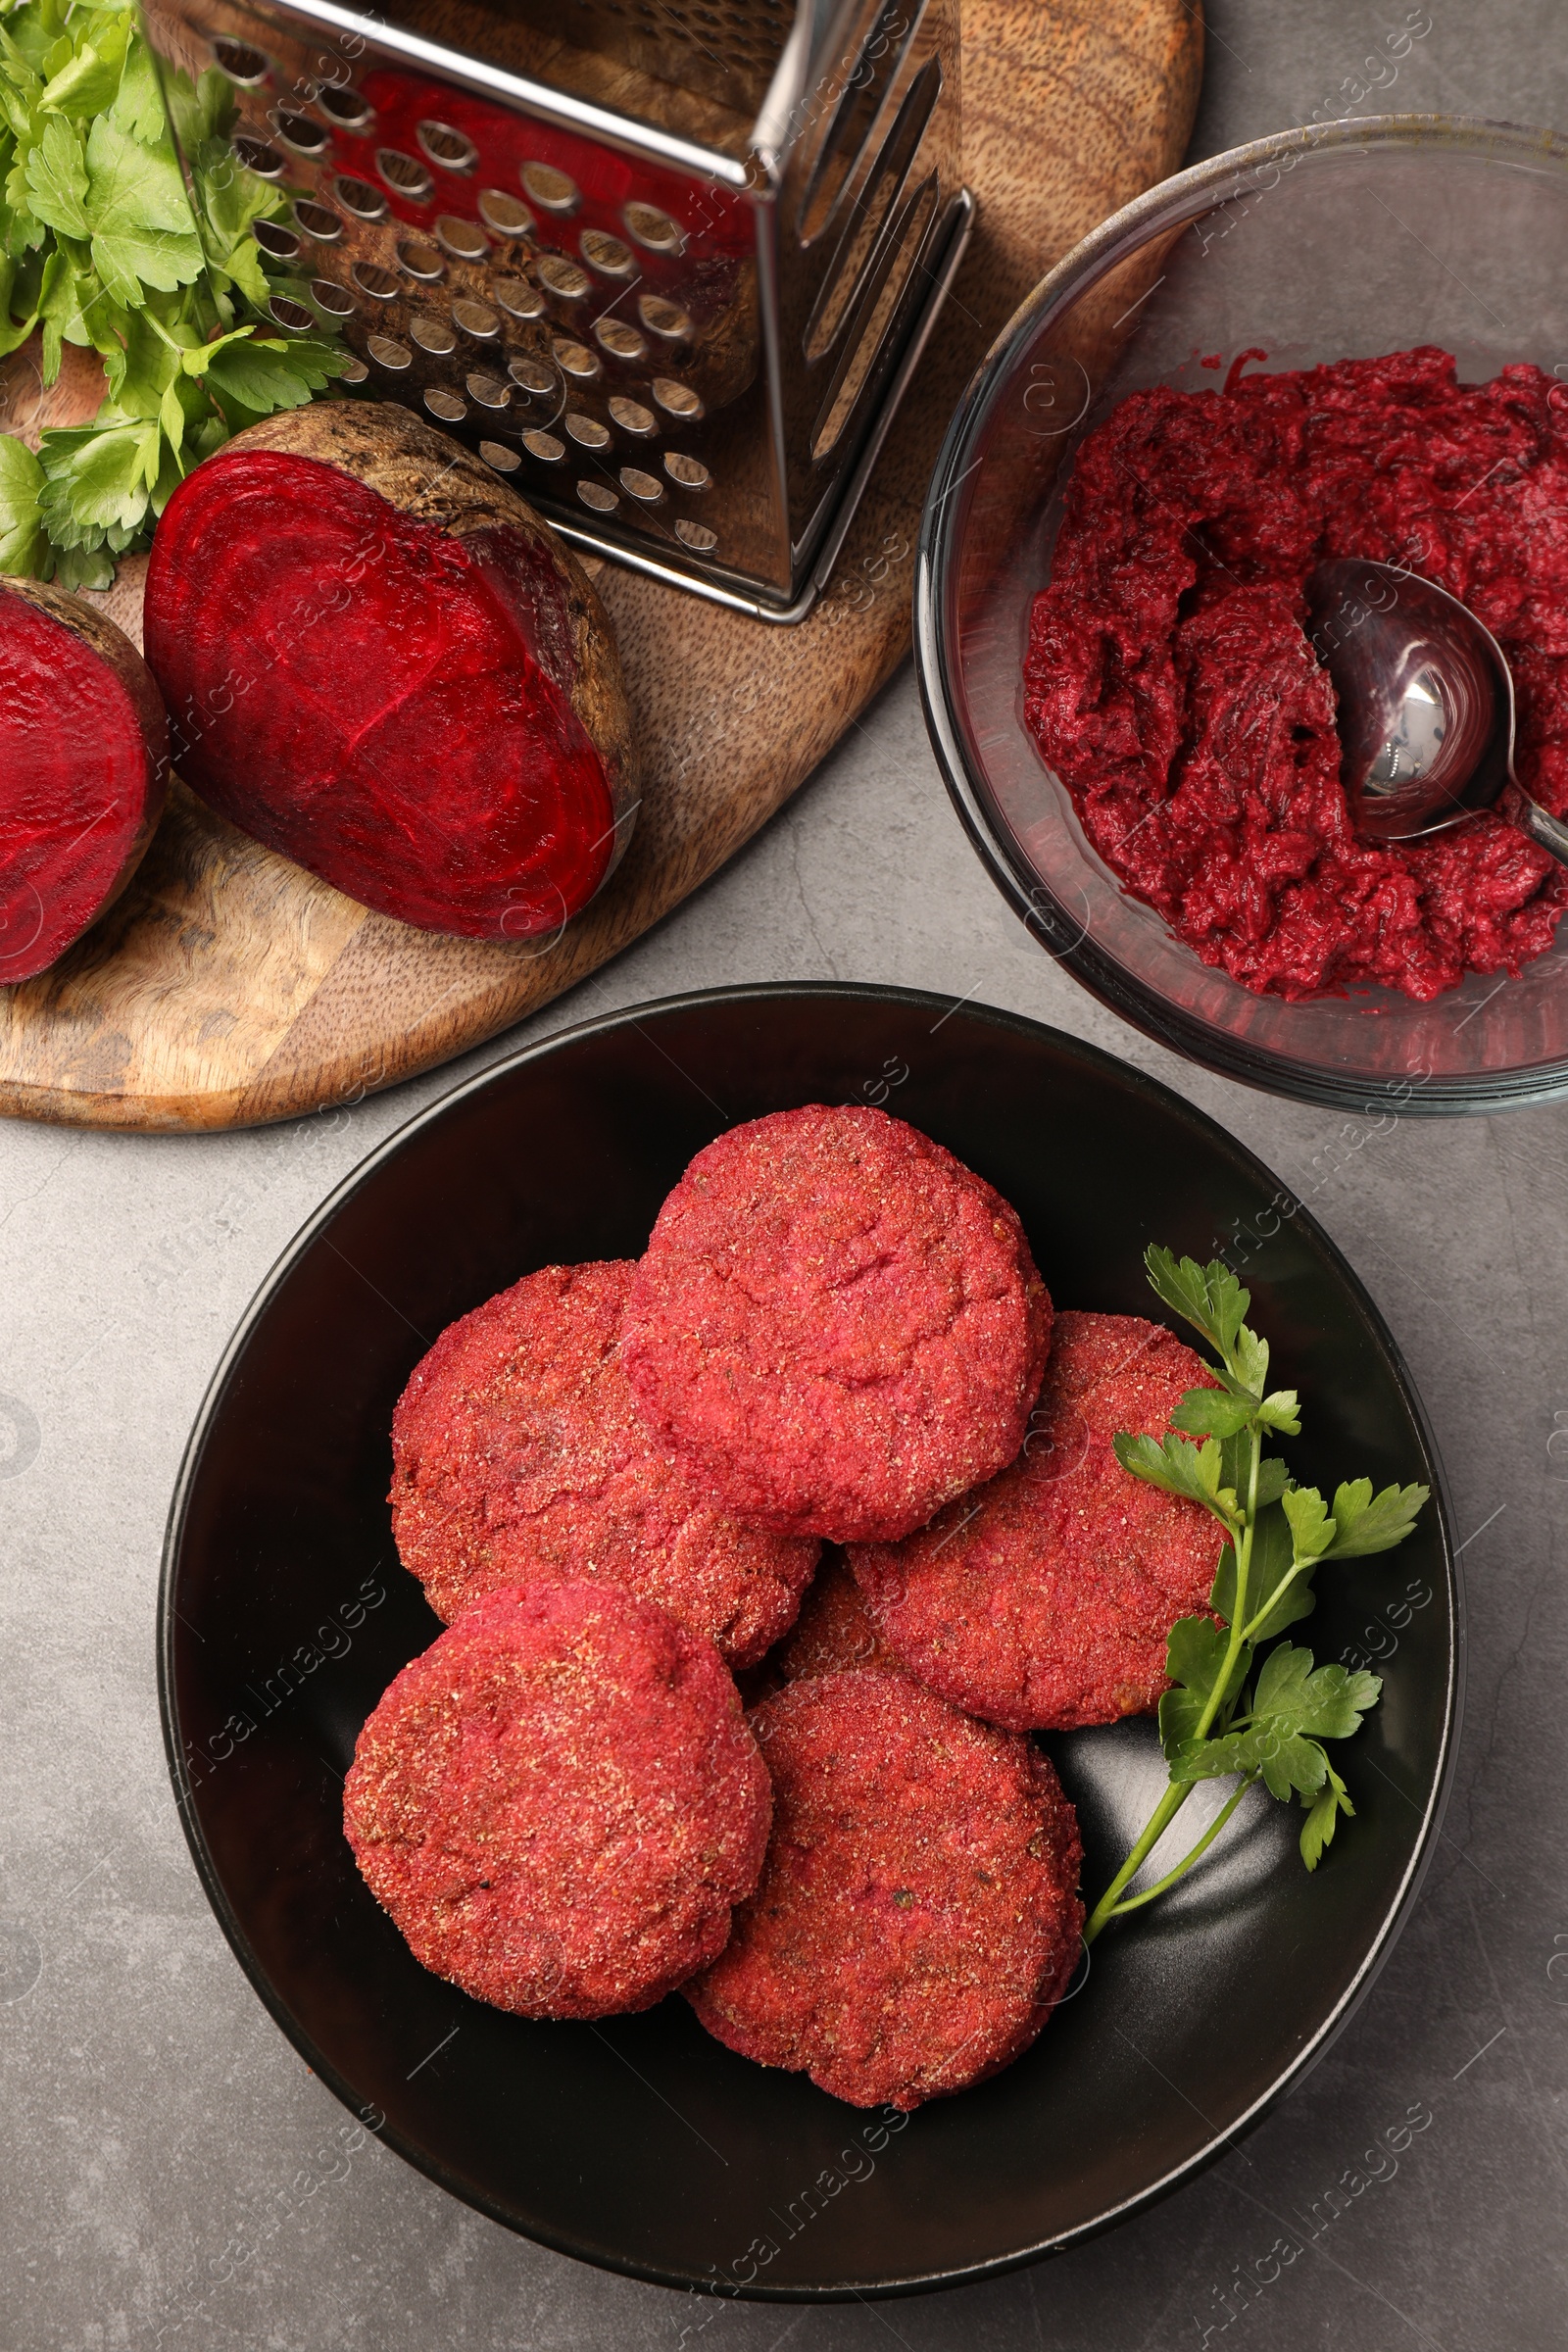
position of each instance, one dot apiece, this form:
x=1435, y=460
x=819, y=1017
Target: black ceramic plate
x=641, y=2144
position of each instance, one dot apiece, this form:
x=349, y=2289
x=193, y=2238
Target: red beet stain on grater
x=667, y=265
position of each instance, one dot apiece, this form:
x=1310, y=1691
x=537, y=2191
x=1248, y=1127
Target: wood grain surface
x=228, y=987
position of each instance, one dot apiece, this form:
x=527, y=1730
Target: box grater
x=667, y=265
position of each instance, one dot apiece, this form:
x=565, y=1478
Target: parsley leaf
x=1328, y=1701
x=57, y=181
x=138, y=107
x=140, y=217
x=1365, y=1523
x=264, y=373
x=106, y=243
x=1195, y=1656
x=1322, y=1819
x=1209, y=1297
x=23, y=545
x=1179, y=1467
x=91, y=79
x=1211, y=1414
x=1310, y=1525
x=1244, y=1705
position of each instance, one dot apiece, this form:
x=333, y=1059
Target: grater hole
x=489, y=391
x=562, y=277
x=274, y=239
x=357, y=196
x=606, y=253
x=503, y=214
x=855, y=257
x=241, y=63
x=333, y=299
x=689, y=473
x=404, y=173
x=355, y=371
x=532, y=374
x=496, y=454
x=598, y=496
x=587, y=431
x=644, y=486
x=291, y=314
x=462, y=238
x=421, y=261
x=446, y=146
x=517, y=298
x=447, y=406
x=380, y=284
x=475, y=319
x=318, y=221
x=298, y=132
x=545, y=447
x=697, y=536
x=386, y=352
x=854, y=371
x=667, y=319
x=257, y=157
x=632, y=418
x=432, y=334
x=652, y=228
x=549, y=189
x=677, y=399
x=870, y=76
x=622, y=341
x=575, y=360
x=345, y=106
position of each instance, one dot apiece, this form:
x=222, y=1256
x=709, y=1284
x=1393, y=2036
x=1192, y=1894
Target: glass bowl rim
x=1183, y=197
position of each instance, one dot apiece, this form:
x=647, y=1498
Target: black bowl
x=639, y=2143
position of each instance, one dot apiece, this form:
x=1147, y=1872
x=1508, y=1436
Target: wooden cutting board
x=228, y=987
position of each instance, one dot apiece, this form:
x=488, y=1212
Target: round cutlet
x=1045, y=1598
x=918, y=1917
x=837, y=1326
x=559, y=1801
x=519, y=1452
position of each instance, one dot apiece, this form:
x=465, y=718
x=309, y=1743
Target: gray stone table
x=157, y=2118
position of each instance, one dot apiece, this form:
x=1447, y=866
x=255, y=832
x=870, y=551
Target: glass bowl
x=1341, y=240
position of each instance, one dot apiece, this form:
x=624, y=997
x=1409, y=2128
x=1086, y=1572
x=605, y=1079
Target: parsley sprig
x=1235, y=1708
x=103, y=246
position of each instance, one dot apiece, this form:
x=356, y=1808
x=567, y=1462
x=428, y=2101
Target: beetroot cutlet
x=837, y=1326
x=918, y=1916
x=519, y=1452
x=1045, y=1598
x=834, y=1631
x=559, y=1801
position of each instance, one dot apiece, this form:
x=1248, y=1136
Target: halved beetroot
x=83, y=768
x=381, y=662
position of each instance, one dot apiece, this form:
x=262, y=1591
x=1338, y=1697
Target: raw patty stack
x=614, y=1483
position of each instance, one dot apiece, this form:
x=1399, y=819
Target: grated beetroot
x=83, y=761
x=382, y=664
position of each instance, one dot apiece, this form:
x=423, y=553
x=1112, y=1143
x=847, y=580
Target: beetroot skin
x=381, y=662
x=83, y=762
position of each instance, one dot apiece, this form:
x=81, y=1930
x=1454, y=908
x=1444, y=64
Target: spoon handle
x=1550, y=831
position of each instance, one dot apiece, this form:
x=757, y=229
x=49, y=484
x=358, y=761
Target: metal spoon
x=1425, y=715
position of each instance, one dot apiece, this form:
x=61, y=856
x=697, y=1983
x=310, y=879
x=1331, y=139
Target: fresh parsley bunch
x=1235, y=1708
x=100, y=246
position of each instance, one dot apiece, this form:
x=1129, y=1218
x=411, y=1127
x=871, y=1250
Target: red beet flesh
x=83, y=749
x=371, y=695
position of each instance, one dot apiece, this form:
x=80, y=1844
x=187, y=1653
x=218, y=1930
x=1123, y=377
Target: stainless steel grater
x=667, y=265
